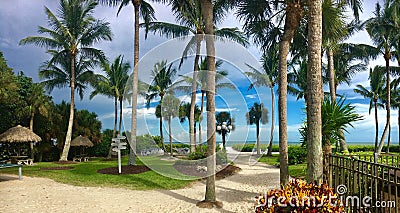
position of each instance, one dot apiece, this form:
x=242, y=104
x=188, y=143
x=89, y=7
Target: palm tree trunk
x=376, y=126
x=193, y=98
x=389, y=136
x=201, y=116
x=67, y=143
x=258, y=137
x=132, y=152
x=207, y=11
x=314, y=94
x=331, y=71
x=170, y=136
x=31, y=128
x=269, y=153
x=398, y=122
x=387, y=126
x=162, y=134
x=115, y=115
x=120, y=116
x=115, y=125
x=294, y=13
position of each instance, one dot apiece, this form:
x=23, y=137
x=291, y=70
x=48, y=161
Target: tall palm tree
x=382, y=29
x=162, y=75
x=374, y=93
x=146, y=12
x=268, y=77
x=71, y=34
x=191, y=22
x=170, y=110
x=396, y=102
x=314, y=94
x=256, y=114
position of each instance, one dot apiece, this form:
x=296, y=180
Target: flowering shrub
x=301, y=197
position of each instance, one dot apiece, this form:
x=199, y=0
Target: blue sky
x=21, y=18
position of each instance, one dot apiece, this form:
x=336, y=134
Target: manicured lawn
x=85, y=174
x=296, y=171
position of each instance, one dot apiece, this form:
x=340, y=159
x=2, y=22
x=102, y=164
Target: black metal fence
x=366, y=186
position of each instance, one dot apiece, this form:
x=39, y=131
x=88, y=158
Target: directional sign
x=121, y=147
x=121, y=137
x=122, y=144
x=114, y=144
x=115, y=149
x=115, y=139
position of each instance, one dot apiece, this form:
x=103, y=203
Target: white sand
x=44, y=195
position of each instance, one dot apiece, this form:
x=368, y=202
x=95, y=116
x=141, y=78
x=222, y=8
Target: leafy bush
x=297, y=155
x=299, y=196
x=201, y=153
x=250, y=147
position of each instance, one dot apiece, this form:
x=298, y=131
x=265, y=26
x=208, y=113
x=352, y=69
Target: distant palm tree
x=256, y=114
x=71, y=36
x=224, y=118
x=38, y=103
x=142, y=9
x=382, y=30
x=169, y=110
x=268, y=77
x=162, y=75
x=191, y=22
x=184, y=112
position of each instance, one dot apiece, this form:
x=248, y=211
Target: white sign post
x=117, y=146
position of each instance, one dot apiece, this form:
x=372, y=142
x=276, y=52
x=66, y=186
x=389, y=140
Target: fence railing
x=366, y=186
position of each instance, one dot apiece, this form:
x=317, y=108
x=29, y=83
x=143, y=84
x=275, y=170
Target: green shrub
x=250, y=147
x=201, y=153
x=297, y=155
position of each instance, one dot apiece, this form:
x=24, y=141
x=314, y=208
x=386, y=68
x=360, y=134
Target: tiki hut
x=82, y=142
x=20, y=134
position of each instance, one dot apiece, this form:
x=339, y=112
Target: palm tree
x=189, y=15
x=375, y=93
x=268, y=77
x=257, y=113
x=38, y=103
x=396, y=101
x=169, y=110
x=144, y=10
x=186, y=82
x=224, y=125
x=382, y=29
x=314, y=94
x=72, y=34
x=113, y=85
x=162, y=75
x=184, y=112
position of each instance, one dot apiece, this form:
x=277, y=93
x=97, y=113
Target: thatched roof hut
x=19, y=134
x=81, y=141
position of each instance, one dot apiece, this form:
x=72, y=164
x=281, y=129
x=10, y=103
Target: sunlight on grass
x=85, y=174
x=296, y=171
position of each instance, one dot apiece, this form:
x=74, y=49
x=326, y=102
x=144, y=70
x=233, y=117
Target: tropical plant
x=71, y=36
x=162, y=75
x=336, y=118
x=374, y=93
x=169, y=110
x=143, y=10
x=256, y=114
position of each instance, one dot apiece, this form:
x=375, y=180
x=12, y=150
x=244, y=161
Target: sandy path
x=44, y=195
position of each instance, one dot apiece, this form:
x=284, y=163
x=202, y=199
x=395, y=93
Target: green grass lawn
x=85, y=174
x=296, y=171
